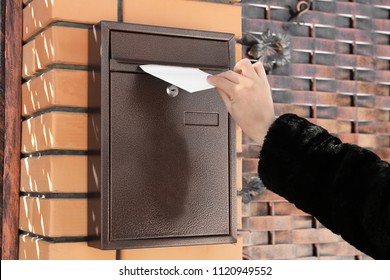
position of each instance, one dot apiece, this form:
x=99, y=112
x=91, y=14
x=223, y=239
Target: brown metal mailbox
x=161, y=168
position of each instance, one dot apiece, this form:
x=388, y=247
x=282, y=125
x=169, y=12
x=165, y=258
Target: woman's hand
x=247, y=96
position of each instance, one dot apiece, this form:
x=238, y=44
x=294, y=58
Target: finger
x=222, y=83
x=213, y=80
x=259, y=69
x=226, y=99
x=245, y=68
x=231, y=76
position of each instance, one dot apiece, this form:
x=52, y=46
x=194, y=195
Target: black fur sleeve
x=347, y=188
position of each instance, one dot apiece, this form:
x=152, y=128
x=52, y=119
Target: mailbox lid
x=175, y=49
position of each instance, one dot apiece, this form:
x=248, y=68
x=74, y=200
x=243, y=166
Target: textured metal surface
x=167, y=179
x=161, y=169
x=168, y=50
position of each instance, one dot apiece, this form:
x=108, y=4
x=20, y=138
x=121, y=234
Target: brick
x=280, y=82
x=374, y=128
x=62, y=45
x=382, y=51
x=383, y=153
x=267, y=196
x=367, y=140
x=363, y=140
x=309, y=236
x=251, y=150
x=238, y=52
x=28, y=59
x=256, y=209
x=326, y=258
x=204, y=252
x=355, y=113
x=299, y=97
x=366, y=114
x=304, y=45
x=333, y=126
x=33, y=248
x=53, y=217
x=351, y=60
x=307, y=70
x=382, y=63
x=382, y=102
x=239, y=173
x=268, y=223
x=383, y=140
x=238, y=139
x=330, y=125
x=382, y=76
x=300, y=110
x=338, y=248
x=348, y=138
x=39, y=13
x=255, y=237
x=345, y=100
x=326, y=112
x=239, y=211
x=276, y=223
x=250, y=165
x=282, y=237
x=365, y=87
x=245, y=235
x=55, y=88
x=351, y=34
x=272, y=252
x=57, y=174
x=55, y=130
x=344, y=126
x=382, y=25
x=56, y=45
x=286, y=208
x=347, y=113
x=382, y=115
x=185, y=14
x=366, y=101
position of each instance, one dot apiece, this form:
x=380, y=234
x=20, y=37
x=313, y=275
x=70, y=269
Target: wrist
x=259, y=137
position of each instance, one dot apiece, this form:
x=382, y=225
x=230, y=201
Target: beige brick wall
x=53, y=204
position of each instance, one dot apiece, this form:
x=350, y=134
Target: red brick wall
x=338, y=78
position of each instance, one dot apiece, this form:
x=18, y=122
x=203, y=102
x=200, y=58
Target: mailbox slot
x=185, y=51
x=161, y=168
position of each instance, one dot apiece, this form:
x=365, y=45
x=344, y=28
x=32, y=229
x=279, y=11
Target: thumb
x=215, y=81
x=212, y=80
x=221, y=83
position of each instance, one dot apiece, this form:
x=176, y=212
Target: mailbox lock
x=172, y=90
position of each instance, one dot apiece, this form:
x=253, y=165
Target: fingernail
x=209, y=76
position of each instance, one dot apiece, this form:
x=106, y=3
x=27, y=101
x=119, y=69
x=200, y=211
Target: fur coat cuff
x=344, y=186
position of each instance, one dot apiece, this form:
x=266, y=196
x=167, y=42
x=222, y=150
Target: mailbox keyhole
x=172, y=91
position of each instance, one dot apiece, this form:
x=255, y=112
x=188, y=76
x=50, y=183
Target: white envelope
x=187, y=78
